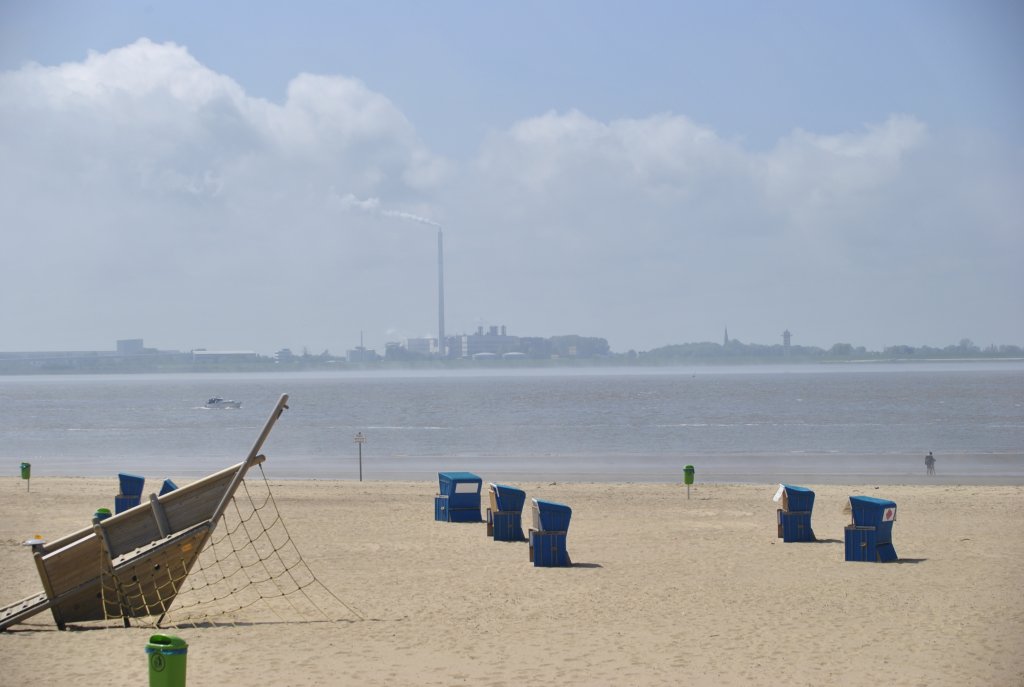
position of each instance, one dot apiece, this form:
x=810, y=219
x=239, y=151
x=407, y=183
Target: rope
x=249, y=562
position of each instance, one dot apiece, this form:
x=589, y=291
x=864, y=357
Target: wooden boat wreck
x=132, y=564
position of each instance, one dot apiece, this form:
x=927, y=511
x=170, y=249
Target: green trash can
x=688, y=474
x=167, y=657
x=101, y=514
x=26, y=470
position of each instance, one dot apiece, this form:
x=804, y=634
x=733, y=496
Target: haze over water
x=811, y=423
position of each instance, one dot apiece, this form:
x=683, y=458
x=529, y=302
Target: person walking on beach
x=929, y=463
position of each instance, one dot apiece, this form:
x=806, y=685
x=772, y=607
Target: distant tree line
x=736, y=351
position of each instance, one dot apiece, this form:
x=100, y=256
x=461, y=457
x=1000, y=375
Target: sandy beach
x=664, y=590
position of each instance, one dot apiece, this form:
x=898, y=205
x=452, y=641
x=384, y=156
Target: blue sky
x=648, y=172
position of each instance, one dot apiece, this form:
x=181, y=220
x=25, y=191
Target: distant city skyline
x=135, y=346
x=226, y=178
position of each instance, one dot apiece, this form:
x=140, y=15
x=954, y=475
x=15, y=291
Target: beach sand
x=664, y=590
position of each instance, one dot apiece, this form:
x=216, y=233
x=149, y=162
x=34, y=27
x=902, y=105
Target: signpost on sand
x=360, y=440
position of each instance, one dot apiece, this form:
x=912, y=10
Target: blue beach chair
x=794, y=518
x=548, y=534
x=869, y=538
x=459, y=497
x=505, y=514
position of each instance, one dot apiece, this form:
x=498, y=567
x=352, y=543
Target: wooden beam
x=159, y=515
x=108, y=564
x=37, y=556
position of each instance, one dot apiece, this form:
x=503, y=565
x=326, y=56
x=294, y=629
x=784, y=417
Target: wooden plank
x=76, y=563
x=83, y=604
x=37, y=556
x=57, y=544
x=198, y=505
x=26, y=608
x=182, y=492
x=159, y=515
x=130, y=530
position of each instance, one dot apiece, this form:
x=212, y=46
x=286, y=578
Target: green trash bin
x=26, y=470
x=167, y=656
x=688, y=474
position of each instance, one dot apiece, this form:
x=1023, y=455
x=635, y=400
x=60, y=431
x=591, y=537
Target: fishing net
x=248, y=571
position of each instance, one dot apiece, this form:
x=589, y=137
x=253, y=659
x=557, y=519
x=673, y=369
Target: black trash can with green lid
x=167, y=656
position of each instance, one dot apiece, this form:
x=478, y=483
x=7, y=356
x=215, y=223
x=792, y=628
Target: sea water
x=770, y=423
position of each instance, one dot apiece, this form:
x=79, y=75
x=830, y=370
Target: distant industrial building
x=495, y=342
x=492, y=344
x=203, y=356
x=362, y=355
x=129, y=355
x=421, y=346
x=132, y=347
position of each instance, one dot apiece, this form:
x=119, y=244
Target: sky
x=258, y=176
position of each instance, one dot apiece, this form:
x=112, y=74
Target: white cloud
x=350, y=202
x=807, y=173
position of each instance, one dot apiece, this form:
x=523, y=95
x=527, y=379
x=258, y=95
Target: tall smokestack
x=441, y=347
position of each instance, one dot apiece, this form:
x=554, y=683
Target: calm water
x=762, y=424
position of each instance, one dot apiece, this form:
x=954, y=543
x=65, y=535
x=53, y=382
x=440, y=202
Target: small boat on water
x=218, y=402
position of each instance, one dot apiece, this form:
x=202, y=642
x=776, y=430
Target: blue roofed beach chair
x=548, y=534
x=794, y=518
x=459, y=497
x=505, y=514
